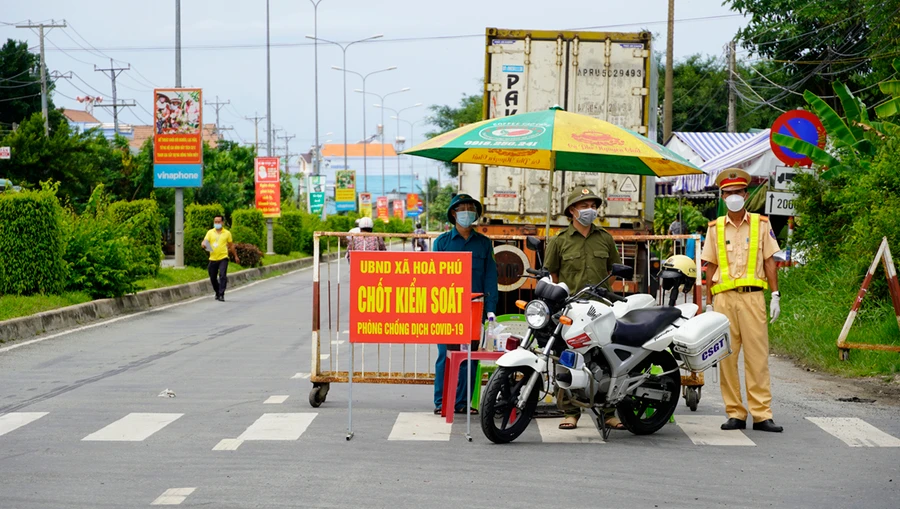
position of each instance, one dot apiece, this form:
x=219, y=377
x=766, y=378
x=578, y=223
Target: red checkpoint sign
x=268, y=186
x=410, y=297
x=799, y=124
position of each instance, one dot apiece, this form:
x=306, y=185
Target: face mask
x=734, y=203
x=217, y=226
x=587, y=216
x=465, y=218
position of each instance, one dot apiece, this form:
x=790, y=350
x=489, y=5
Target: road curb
x=24, y=327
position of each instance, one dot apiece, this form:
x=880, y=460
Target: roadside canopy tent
x=754, y=155
x=697, y=148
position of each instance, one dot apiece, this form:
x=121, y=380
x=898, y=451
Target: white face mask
x=734, y=202
x=465, y=218
x=587, y=216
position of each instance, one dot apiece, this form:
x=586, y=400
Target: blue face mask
x=465, y=218
x=217, y=226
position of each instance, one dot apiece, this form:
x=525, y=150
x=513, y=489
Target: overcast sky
x=224, y=52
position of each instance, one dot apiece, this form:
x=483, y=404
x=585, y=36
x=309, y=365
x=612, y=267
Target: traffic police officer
x=583, y=254
x=739, y=248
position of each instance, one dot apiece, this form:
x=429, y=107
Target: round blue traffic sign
x=799, y=124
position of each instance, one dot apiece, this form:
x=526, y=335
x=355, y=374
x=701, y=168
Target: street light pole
x=364, y=77
x=382, y=98
x=397, y=113
x=315, y=4
x=344, y=48
x=412, y=159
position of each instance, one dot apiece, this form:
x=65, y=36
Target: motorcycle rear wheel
x=501, y=421
x=644, y=416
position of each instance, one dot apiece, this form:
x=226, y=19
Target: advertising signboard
x=399, y=206
x=316, y=193
x=177, y=144
x=345, y=190
x=412, y=205
x=365, y=204
x=383, y=208
x=268, y=186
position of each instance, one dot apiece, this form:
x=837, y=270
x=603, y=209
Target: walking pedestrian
x=581, y=255
x=358, y=243
x=739, y=248
x=462, y=214
x=219, y=243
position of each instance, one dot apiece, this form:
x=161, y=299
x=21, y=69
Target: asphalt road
x=82, y=425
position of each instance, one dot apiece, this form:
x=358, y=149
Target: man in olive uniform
x=739, y=248
x=583, y=254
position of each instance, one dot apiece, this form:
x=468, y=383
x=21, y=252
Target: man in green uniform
x=583, y=254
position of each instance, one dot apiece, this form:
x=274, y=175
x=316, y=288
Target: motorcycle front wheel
x=644, y=416
x=501, y=420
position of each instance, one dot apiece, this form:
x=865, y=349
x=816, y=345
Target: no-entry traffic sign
x=799, y=124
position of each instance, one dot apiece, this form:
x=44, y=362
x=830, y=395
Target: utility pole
x=287, y=141
x=732, y=100
x=667, y=107
x=114, y=73
x=256, y=120
x=218, y=105
x=41, y=27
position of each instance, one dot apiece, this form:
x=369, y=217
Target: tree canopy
x=447, y=118
x=20, y=85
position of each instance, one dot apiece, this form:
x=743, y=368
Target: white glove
x=775, y=307
x=709, y=308
x=492, y=317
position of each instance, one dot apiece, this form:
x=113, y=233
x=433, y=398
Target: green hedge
x=103, y=258
x=252, y=219
x=31, y=243
x=202, y=216
x=292, y=220
x=141, y=220
x=282, y=243
x=245, y=235
x=194, y=254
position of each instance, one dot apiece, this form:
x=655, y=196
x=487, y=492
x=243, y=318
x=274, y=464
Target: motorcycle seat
x=637, y=326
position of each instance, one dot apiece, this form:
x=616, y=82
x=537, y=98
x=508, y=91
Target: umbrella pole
x=550, y=194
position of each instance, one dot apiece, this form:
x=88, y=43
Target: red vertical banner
x=382, y=204
x=411, y=297
x=399, y=208
x=268, y=186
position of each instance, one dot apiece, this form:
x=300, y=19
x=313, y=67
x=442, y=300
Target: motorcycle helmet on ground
x=678, y=270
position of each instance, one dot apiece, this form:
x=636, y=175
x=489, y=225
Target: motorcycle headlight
x=537, y=314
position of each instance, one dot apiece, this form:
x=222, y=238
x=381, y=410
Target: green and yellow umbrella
x=555, y=139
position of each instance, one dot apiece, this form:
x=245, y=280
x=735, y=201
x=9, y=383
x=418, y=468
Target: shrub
x=32, y=243
x=103, y=259
x=245, y=235
x=194, y=254
x=141, y=219
x=249, y=254
x=292, y=220
x=311, y=223
x=282, y=242
x=252, y=219
x=202, y=216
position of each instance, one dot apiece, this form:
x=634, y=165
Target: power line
x=114, y=72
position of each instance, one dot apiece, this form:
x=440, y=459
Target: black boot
x=733, y=423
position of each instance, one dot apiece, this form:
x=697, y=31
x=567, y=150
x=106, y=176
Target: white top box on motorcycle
x=703, y=341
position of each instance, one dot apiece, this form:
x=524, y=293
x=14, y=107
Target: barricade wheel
x=692, y=398
x=317, y=395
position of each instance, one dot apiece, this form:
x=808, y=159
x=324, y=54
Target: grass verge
x=814, y=305
x=15, y=306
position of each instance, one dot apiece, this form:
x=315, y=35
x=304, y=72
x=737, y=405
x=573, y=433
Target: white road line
x=420, y=426
x=585, y=433
x=15, y=420
x=173, y=496
x=341, y=342
x=324, y=356
x=228, y=444
x=706, y=430
x=134, y=427
x=855, y=432
x=278, y=427
x=300, y=375
x=275, y=400
x=135, y=315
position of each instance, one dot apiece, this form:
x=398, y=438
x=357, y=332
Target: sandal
x=614, y=423
x=437, y=410
x=569, y=422
x=461, y=410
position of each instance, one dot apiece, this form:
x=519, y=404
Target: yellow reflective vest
x=726, y=282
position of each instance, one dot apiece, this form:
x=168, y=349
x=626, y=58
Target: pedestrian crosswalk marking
x=228, y=444
x=420, y=426
x=706, y=430
x=278, y=427
x=15, y=420
x=173, y=496
x=855, y=432
x=300, y=375
x=275, y=400
x=586, y=433
x=134, y=427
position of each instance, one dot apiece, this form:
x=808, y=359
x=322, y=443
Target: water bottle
x=492, y=336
